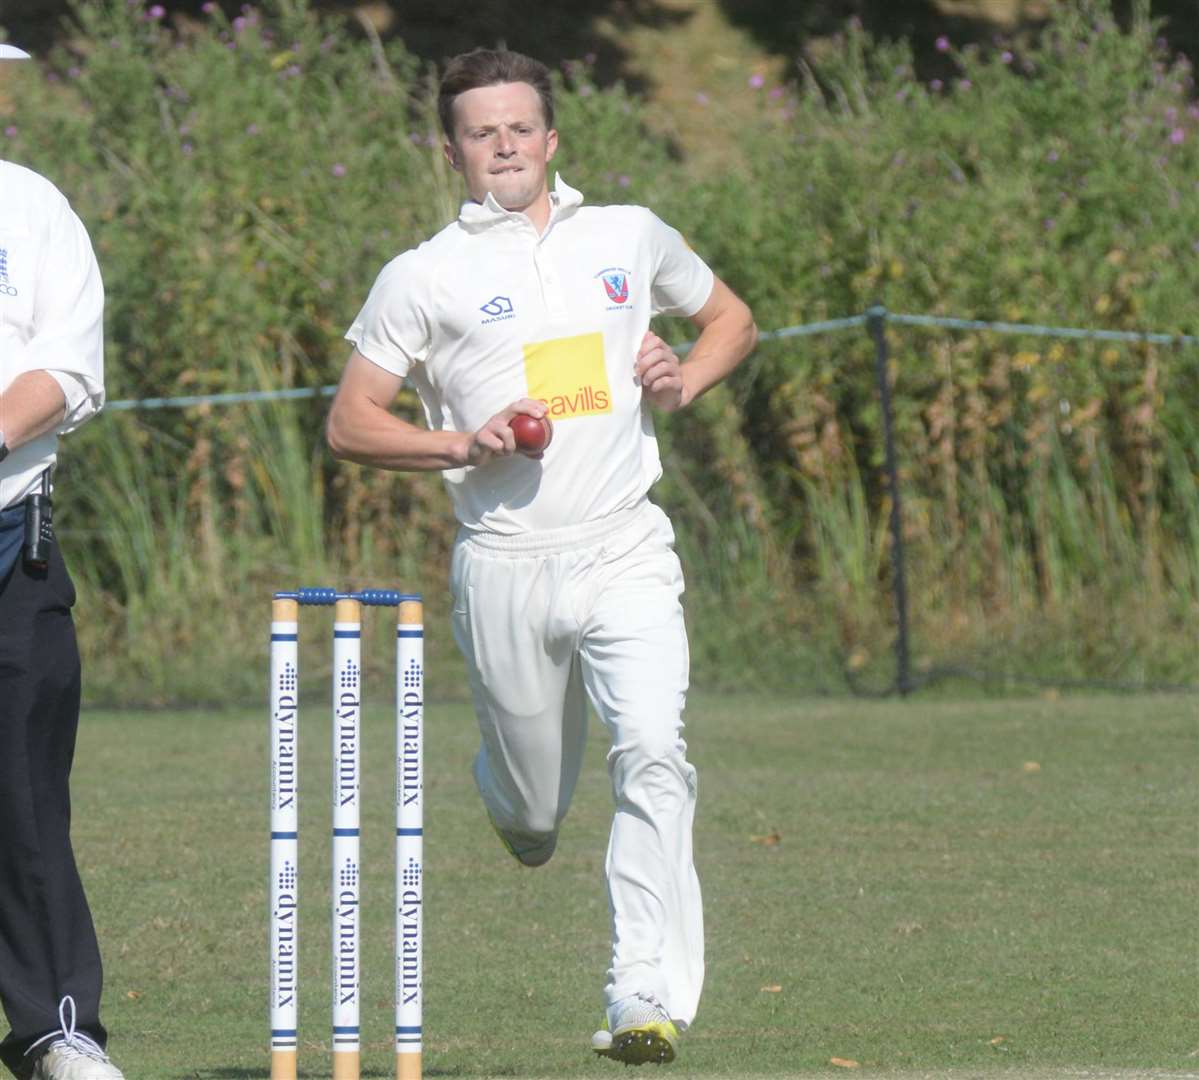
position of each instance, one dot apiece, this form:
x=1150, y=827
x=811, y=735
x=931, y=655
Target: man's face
x=501, y=144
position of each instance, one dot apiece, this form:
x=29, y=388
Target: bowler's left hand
x=660, y=374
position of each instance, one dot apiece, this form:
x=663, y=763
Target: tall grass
x=244, y=180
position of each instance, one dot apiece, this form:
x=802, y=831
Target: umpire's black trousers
x=47, y=941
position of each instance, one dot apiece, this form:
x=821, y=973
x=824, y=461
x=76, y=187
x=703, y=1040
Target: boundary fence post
x=876, y=326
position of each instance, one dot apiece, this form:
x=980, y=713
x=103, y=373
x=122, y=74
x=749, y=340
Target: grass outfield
x=929, y=889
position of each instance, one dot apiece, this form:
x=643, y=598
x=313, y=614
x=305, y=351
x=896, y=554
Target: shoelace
x=642, y=1008
x=72, y=1043
x=652, y=1002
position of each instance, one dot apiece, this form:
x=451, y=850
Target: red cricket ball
x=532, y=435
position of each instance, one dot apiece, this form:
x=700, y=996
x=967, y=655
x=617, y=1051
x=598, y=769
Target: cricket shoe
x=72, y=1054
x=641, y=1031
x=527, y=850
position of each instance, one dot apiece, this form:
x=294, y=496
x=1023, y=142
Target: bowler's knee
x=652, y=766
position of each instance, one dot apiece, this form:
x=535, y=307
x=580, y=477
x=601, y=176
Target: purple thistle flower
x=964, y=84
x=157, y=11
x=1007, y=57
x=1177, y=136
x=11, y=131
x=942, y=44
x=756, y=82
x=623, y=181
x=936, y=86
x=251, y=129
x=1051, y=156
x=208, y=7
x=338, y=170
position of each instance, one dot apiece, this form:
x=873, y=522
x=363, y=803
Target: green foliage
x=1050, y=183
x=245, y=180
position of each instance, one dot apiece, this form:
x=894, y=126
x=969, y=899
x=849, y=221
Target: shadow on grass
x=556, y=30
x=789, y=29
x=239, y=1072
x=793, y=30
x=434, y=30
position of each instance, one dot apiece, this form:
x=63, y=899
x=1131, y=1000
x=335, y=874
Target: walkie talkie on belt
x=39, y=526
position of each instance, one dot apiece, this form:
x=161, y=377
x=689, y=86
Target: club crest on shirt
x=616, y=285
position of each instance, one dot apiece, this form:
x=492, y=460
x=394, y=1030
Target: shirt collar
x=476, y=216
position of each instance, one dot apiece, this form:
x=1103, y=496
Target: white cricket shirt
x=51, y=313
x=488, y=312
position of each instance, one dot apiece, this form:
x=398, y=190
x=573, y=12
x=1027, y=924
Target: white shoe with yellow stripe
x=641, y=1031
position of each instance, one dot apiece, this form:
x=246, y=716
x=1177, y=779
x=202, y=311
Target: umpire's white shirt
x=51, y=313
x=488, y=312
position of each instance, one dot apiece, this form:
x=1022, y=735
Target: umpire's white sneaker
x=72, y=1054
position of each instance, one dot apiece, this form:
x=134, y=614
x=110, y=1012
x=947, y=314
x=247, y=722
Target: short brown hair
x=491, y=67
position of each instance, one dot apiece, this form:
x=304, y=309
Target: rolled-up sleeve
x=69, y=315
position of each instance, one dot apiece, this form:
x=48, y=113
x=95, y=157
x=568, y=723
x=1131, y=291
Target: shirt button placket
x=551, y=285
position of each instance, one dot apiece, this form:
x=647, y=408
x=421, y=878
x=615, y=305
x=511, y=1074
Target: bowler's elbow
x=337, y=433
x=748, y=328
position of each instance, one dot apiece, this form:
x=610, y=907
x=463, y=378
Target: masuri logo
x=498, y=307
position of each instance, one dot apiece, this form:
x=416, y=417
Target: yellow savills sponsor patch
x=569, y=375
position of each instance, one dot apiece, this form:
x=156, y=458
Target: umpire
x=51, y=381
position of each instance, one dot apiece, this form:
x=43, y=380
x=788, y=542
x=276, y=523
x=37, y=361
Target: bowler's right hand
x=495, y=439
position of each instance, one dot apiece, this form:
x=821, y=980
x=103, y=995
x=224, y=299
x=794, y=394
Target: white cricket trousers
x=547, y=622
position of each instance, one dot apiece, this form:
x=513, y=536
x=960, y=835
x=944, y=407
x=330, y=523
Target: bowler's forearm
x=31, y=405
x=721, y=346
x=372, y=436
